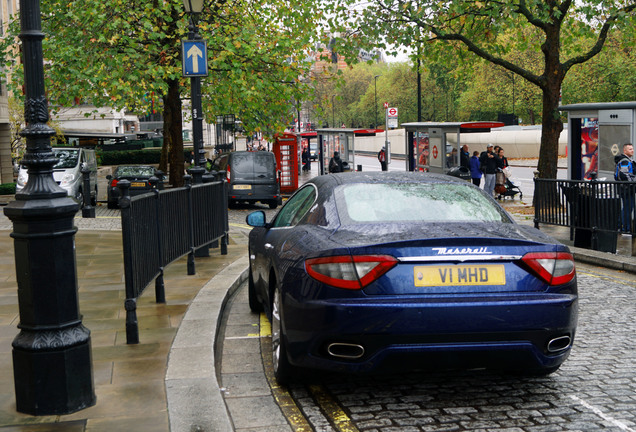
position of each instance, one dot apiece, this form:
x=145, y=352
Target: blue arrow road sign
x=195, y=58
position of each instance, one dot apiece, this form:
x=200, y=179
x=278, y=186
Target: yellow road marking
x=290, y=410
x=332, y=410
x=243, y=226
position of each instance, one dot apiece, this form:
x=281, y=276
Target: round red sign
x=392, y=111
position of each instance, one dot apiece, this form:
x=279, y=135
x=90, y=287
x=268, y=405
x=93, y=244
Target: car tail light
x=227, y=174
x=555, y=268
x=349, y=272
x=113, y=182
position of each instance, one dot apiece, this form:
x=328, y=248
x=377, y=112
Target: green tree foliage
x=121, y=54
x=608, y=77
x=565, y=33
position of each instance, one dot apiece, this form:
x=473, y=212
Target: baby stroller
x=504, y=187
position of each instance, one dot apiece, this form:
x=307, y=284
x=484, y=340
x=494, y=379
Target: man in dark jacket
x=335, y=164
x=464, y=157
x=626, y=172
x=489, y=162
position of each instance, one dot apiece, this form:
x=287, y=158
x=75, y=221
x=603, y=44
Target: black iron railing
x=595, y=211
x=162, y=226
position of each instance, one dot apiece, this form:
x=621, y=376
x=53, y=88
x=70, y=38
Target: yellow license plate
x=137, y=184
x=242, y=187
x=446, y=275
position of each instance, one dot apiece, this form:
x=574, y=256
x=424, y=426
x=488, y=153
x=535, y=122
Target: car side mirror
x=256, y=219
x=109, y=177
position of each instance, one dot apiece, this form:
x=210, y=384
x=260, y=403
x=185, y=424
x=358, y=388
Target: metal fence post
x=160, y=290
x=226, y=238
x=188, y=186
x=130, y=304
x=198, y=177
x=537, y=204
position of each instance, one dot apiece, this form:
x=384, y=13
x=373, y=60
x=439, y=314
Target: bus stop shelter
x=596, y=134
x=341, y=140
x=428, y=147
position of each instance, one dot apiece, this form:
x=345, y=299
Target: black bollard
x=88, y=211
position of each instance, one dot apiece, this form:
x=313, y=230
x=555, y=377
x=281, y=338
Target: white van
x=67, y=172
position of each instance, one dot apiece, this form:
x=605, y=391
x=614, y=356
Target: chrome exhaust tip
x=559, y=344
x=345, y=350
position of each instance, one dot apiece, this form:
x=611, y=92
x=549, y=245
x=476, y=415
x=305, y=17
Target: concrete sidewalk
x=168, y=382
x=134, y=384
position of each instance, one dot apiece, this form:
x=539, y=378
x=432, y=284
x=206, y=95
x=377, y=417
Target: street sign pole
x=387, y=143
x=194, y=54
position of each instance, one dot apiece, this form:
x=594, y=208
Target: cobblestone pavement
x=595, y=389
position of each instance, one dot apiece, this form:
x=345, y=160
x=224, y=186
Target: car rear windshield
x=418, y=202
x=135, y=171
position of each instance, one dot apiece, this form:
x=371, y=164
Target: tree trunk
x=173, y=135
x=551, y=118
x=552, y=127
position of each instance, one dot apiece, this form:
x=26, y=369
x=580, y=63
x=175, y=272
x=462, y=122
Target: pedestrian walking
x=382, y=159
x=488, y=165
x=475, y=171
x=306, y=159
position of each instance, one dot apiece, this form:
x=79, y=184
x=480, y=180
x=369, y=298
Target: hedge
x=7, y=189
x=126, y=157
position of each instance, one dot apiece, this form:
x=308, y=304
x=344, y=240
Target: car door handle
x=269, y=246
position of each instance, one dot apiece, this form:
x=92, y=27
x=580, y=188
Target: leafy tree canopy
x=564, y=32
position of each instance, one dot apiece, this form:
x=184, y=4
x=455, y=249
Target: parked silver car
x=67, y=172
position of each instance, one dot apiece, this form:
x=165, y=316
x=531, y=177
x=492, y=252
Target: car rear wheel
x=273, y=204
x=283, y=371
x=255, y=305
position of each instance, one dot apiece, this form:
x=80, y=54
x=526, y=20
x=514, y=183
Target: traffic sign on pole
x=194, y=55
x=392, y=112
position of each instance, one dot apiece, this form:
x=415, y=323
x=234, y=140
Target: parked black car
x=251, y=175
x=139, y=177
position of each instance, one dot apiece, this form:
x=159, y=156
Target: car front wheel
x=80, y=198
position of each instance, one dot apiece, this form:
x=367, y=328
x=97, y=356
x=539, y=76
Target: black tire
x=112, y=204
x=255, y=305
x=273, y=204
x=80, y=198
x=283, y=371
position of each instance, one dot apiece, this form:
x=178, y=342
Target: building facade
x=7, y=9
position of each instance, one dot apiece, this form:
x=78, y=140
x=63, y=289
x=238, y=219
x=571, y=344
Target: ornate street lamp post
x=194, y=8
x=52, y=353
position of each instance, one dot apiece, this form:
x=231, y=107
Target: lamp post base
x=55, y=381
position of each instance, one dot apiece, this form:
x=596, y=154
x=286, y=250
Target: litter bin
x=597, y=221
x=459, y=171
